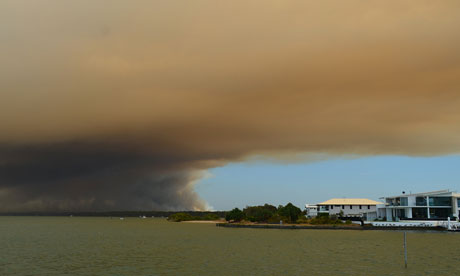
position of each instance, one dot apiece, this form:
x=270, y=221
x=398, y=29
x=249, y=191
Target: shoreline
x=326, y=227
x=203, y=221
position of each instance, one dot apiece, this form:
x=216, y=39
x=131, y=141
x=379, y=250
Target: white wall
x=353, y=211
x=411, y=200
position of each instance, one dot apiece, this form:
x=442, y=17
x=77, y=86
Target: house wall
x=411, y=200
x=353, y=211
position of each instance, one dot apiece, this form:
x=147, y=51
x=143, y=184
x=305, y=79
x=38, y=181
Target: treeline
x=182, y=216
x=267, y=213
x=287, y=214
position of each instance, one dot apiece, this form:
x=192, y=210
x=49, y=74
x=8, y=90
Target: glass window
x=419, y=213
x=332, y=207
x=343, y=206
x=368, y=206
x=420, y=201
x=351, y=206
x=360, y=206
x=440, y=212
x=404, y=201
x=440, y=201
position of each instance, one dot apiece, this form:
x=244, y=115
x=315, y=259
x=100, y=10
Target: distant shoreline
x=203, y=221
x=324, y=227
x=164, y=214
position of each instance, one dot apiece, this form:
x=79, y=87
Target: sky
x=259, y=182
x=131, y=105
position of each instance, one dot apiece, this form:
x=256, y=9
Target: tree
x=259, y=213
x=235, y=215
x=290, y=211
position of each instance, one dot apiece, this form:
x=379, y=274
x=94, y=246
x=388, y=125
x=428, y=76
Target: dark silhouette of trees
x=290, y=212
x=234, y=215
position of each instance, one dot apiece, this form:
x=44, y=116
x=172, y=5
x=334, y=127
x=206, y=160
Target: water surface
x=105, y=246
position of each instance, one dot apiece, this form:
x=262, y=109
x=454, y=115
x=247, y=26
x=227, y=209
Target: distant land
x=115, y=213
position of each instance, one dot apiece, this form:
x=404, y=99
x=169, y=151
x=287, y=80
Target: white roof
x=350, y=201
x=440, y=192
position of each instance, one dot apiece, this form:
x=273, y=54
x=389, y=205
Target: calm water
x=104, y=246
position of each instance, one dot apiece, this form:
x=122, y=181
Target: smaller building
x=350, y=207
x=311, y=210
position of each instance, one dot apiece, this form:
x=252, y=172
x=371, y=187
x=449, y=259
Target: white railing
x=409, y=223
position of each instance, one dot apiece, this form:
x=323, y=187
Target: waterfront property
x=435, y=205
x=347, y=207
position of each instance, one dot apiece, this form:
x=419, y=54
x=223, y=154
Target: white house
x=435, y=205
x=350, y=207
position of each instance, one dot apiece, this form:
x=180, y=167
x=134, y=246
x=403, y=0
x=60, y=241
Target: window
x=360, y=206
x=368, y=206
x=419, y=213
x=440, y=212
x=332, y=207
x=404, y=201
x=343, y=206
x=440, y=201
x=420, y=201
x=351, y=207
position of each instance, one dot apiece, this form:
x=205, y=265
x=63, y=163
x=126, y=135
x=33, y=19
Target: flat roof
x=440, y=192
x=350, y=201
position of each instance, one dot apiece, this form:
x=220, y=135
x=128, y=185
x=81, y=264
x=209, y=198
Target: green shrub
x=211, y=217
x=259, y=213
x=234, y=215
x=277, y=218
x=324, y=220
x=302, y=219
x=177, y=217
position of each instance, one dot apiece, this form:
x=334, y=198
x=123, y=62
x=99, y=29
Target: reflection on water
x=104, y=246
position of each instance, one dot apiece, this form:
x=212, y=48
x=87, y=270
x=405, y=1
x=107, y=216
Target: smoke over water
x=124, y=107
x=85, y=177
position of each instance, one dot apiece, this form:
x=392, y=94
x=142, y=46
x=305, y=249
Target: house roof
x=440, y=192
x=349, y=201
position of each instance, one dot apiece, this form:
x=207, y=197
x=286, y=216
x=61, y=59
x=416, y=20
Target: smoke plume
x=124, y=106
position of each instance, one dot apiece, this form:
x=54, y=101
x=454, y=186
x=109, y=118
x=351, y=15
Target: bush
x=211, y=217
x=324, y=220
x=302, y=219
x=320, y=215
x=234, y=215
x=276, y=219
x=177, y=217
x=259, y=213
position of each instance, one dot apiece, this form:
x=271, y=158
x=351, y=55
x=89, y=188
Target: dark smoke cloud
x=124, y=106
x=84, y=177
